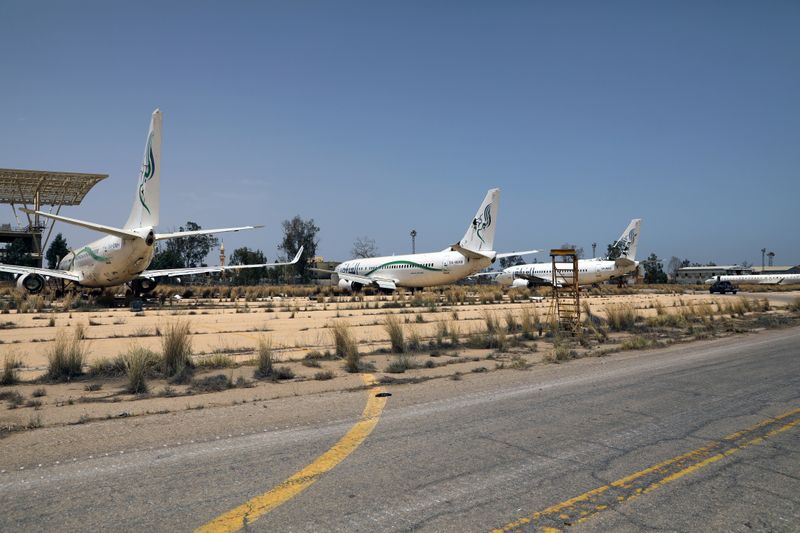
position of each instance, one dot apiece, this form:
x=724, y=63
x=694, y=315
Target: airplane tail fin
x=630, y=239
x=144, y=212
x=480, y=232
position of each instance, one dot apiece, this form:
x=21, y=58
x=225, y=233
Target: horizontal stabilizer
x=117, y=232
x=514, y=254
x=624, y=262
x=472, y=254
x=179, y=234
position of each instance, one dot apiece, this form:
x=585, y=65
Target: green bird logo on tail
x=148, y=169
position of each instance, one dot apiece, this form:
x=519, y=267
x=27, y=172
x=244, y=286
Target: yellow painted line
x=588, y=504
x=248, y=512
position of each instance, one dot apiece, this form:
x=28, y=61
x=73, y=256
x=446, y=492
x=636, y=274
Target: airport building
x=699, y=274
x=776, y=269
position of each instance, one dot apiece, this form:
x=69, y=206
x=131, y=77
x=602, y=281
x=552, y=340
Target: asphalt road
x=478, y=454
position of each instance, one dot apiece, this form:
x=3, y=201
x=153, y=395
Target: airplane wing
x=179, y=234
x=538, y=280
x=189, y=271
x=375, y=281
x=117, y=232
x=488, y=274
x=46, y=272
x=513, y=254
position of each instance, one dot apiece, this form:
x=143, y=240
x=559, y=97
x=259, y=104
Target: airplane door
x=445, y=266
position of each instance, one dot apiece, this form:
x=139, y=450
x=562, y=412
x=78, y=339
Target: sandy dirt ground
x=295, y=327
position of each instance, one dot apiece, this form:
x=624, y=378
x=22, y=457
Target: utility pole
x=413, y=241
x=770, y=257
x=594, y=245
x=763, y=251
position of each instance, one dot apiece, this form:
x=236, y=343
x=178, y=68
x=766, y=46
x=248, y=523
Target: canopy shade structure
x=25, y=187
x=34, y=189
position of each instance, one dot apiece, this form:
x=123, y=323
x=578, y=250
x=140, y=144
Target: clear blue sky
x=374, y=118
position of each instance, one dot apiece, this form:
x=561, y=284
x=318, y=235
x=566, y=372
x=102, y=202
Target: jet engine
x=347, y=285
x=520, y=283
x=33, y=283
x=143, y=285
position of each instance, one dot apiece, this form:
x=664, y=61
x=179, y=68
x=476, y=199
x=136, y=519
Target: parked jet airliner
x=471, y=254
x=123, y=255
x=589, y=270
x=761, y=279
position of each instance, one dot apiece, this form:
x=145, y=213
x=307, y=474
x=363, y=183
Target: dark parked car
x=722, y=287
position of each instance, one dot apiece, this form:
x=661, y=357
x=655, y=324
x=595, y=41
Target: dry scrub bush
x=176, y=345
x=394, y=328
x=10, y=364
x=621, y=317
x=400, y=363
x=346, y=346
x=138, y=363
x=511, y=322
x=265, y=359
x=635, y=343
x=66, y=356
x=216, y=360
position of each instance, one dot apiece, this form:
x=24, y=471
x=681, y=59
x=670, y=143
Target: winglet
x=297, y=256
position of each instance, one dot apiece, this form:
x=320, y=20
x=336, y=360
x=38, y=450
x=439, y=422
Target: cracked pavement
x=469, y=455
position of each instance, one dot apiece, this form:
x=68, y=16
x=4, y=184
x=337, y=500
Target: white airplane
x=123, y=255
x=589, y=270
x=761, y=279
x=471, y=254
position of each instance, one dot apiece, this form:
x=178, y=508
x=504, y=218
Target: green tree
x=166, y=257
x=512, y=260
x=17, y=253
x=57, y=250
x=192, y=250
x=246, y=256
x=296, y=233
x=653, y=272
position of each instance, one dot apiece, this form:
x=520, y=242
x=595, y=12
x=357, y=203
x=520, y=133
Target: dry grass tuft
x=265, y=359
x=10, y=364
x=394, y=328
x=621, y=317
x=66, y=356
x=176, y=345
x=138, y=363
x=346, y=346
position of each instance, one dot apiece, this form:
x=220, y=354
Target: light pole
x=413, y=241
x=594, y=245
x=763, y=251
x=770, y=257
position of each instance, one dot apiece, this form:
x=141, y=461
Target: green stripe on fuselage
x=412, y=263
x=89, y=251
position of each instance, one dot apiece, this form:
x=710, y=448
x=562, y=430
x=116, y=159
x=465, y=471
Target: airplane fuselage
x=761, y=279
x=109, y=261
x=415, y=270
x=589, y=271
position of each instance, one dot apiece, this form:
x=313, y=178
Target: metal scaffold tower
x=566, y=304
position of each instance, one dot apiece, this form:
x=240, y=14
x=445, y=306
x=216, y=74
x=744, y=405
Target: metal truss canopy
x=37, y=188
